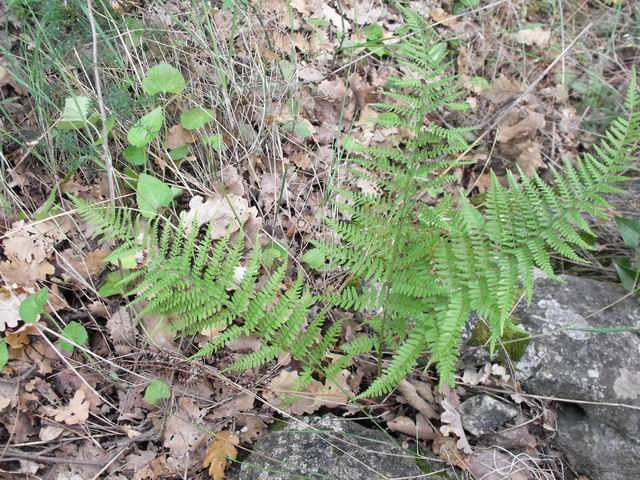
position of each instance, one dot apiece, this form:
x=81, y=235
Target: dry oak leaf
x=218, y=453
x=76, y=413
x=410, y=393
x=34, y=242
x=19, y=338
x=16, y=272
x=452, y=423
x=226, y=213
x=503, y=89
x=446, y=448
x=537, y=36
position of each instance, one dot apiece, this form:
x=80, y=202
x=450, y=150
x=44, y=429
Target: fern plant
x=418, y=268
x=200, y=286
x=420, y=259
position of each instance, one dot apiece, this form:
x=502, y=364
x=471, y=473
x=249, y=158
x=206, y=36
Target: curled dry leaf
x=420, y=428
x=182, y=431
x=218, y=453
x=412, y=397
x=446, y=448
x=76, y=413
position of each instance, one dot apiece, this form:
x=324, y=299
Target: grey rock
x=483, y=414
x=569, y=362
x=329, y=447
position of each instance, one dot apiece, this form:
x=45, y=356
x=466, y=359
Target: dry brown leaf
x=182, y=432
x=494, y=465
x=240, y=403
x=528, y=126
x=452, y=423
x=178, y=137
x=83, y=267
x=503, y=89
x=76, y=413
x=16, y=272
x=446, y=448
x=530, y=158
x=252, y=427
x=537, y=36
x=158, y=331
x=410, y=394
x=34, y=242
x=219, y=452
x=19, y=338
x=333, y=90
x=122, y=331
x=420, y=429
x=226, y=213
x=50, y=432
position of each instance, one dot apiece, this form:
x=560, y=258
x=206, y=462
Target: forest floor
x=287, y=82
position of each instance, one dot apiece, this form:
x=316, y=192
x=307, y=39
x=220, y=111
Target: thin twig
x=106, y=154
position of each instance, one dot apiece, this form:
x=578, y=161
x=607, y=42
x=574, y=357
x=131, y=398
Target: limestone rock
x=565, y=360
x=328, y=447
x=483, y=414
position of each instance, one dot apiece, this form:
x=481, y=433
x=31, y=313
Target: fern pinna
x=421, y=268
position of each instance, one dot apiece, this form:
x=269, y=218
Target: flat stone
x=565, y=360
x=330, y=447
x=483, y=414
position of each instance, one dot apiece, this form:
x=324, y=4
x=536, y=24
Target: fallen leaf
x=406, y=425
x=503, y=89
x=410, y=394
x=452, y=423
x=334, y=90
x=34, y=242
x=76, y=413
x=19, y=338
x=9, y=309
x=537, y=36
x=26, y=275
x=50, y=432
x=218, y=453
x=241, y=403
x=531, y=122
x=226, y=213
x=447, y=449
x=122, y=331
x=530, y=158
x=182, y=431
x=178, y=137
x=494, y=465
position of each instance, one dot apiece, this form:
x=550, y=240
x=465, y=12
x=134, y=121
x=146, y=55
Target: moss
x=514, y=339
x=278, y=426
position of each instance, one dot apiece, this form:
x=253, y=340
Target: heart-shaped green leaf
x=76, y=113
x=156, y=391
x=4, y=354
x=152, y=194
x=32, y=306
x=147, y=128
x=135, y=155
x=163, y=78
x=75, y=332
x=196, y=118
